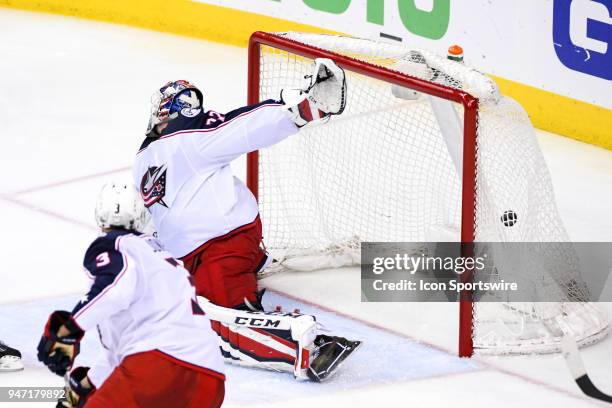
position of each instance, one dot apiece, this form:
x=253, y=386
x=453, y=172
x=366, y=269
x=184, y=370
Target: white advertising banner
x=562, y=46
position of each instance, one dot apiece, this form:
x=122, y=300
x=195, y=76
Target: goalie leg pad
x=271, y=340
x=257, y=345
x=264, y=348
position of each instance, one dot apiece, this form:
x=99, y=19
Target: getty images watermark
x=31, y=394
x=421, y=263
x=488, y=272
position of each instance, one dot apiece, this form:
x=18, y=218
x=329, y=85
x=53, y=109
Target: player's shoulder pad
x=105, y=262
x=212, y=119
x=197, y=119
x=104, y=256
x=186, y=119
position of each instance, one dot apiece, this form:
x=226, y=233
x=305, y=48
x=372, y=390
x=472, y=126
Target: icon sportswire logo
x=582, y=35
x=153, y=186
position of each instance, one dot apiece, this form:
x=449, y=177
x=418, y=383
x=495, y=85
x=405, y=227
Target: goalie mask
x=170, y=100
x=120, y=206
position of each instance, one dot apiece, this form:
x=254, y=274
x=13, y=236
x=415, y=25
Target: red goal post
x=470, y=118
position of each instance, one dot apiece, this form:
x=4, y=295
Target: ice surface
x=73, y=110
x=384, y=358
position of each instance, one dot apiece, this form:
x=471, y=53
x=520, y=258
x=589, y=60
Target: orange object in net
x=455, y=53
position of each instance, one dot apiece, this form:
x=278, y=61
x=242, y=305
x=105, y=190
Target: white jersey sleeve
x=243, y=131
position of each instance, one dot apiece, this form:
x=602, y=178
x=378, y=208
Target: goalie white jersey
x=184, y=175
x=141, y=299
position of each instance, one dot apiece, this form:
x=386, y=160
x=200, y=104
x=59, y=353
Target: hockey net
x=426, y=150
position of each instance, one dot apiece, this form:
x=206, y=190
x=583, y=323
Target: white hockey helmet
x=119, y=205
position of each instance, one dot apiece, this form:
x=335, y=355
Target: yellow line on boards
x=183, y=17
x=562, y=115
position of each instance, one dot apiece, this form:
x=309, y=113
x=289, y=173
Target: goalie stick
x=578, y=371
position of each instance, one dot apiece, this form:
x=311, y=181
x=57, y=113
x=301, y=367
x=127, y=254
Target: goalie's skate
x=330, y=353
x=10, y=359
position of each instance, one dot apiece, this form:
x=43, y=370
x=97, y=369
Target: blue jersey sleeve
x=106, y=265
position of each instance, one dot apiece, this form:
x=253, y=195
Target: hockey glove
x=76, y=393
x=323, y=95
x=58, y=353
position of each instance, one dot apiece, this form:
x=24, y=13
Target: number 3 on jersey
x=102, y=260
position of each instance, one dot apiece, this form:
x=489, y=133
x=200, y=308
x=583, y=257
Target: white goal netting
x=389, y=169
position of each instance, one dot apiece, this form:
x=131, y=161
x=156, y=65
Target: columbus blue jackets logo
x=190, y=112
x=153, y=186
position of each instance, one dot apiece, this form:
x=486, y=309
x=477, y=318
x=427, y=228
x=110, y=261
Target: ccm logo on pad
x=257, y=322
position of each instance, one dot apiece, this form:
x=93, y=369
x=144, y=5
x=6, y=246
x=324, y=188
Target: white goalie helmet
x=120, y=205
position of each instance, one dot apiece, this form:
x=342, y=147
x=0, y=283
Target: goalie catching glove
x=57, y=351
x=323, y=95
